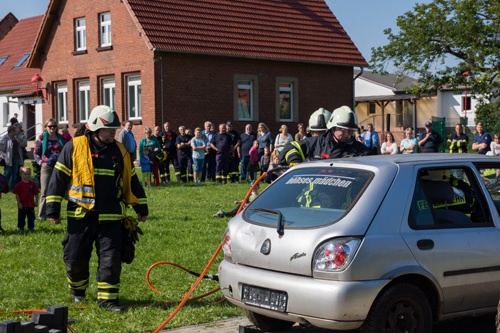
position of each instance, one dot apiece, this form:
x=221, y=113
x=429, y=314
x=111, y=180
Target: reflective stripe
x=61, y=167
x=104, y=172
x=143, y=201
x=78, y=285
x=296, y=150
x=54, y=198
x=106, y=285
x=107, y=296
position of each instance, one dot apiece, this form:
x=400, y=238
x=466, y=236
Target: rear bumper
x=327, y=304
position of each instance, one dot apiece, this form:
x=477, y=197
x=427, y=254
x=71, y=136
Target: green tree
x=449, y=43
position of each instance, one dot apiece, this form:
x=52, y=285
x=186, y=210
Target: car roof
x=381, y=160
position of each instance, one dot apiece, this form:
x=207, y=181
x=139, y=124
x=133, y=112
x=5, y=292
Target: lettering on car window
x=321, y=180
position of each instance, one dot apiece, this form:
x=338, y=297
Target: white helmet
x=102, y=116
x=343, y=117
x=318, y=119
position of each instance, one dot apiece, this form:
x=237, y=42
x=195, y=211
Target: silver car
x=381, y=243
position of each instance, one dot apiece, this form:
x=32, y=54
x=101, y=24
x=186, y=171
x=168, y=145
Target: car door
x=453, y=236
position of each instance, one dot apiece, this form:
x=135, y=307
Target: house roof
x=395, y=82
x=288, y=30
x=18, y=42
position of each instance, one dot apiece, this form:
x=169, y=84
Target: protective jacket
x=321, y=147
x=458, y=143
x=99, y=180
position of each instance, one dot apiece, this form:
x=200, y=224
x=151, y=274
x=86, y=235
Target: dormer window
x=2, y=59
x=21, y=61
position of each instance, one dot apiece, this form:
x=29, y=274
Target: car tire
x=401, y=308
x=268, y=324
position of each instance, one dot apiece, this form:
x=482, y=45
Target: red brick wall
x=199, y=87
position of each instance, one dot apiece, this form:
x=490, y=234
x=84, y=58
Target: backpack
x=4, y=186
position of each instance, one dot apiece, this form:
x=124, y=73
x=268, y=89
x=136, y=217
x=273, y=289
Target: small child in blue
x=146, y=167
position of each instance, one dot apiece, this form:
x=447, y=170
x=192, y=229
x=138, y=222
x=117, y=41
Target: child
x=275, y=162
x=264, y=161
x=253, y=164
x=26, y=193
x=146, y=166
x=253, y=195
x=495, y=145
x=198, y=145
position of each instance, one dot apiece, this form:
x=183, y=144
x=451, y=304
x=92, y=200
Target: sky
x=363, y=20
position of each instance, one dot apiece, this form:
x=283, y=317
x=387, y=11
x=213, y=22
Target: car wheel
x=401, y=308
x=268, y=324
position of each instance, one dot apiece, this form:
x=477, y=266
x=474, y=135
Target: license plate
x=265, y=298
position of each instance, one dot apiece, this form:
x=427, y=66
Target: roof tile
x=294, y=30
x=15, y=44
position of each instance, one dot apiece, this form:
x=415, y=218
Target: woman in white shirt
x=389, y=147
x=283, y=138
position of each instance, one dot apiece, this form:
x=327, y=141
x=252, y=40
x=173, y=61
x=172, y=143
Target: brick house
x=18, y=93
x=248, y=61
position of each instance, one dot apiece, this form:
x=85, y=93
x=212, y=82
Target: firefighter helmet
x=343, y=117
x=318, y=120
x=102, y=116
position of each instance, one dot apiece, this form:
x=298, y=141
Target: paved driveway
x=485, y=324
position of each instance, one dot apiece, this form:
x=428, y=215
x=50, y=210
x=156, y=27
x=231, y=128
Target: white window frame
x=246, y=86
x=62, y=103
x=108, y=92
x=105, y=29
x=287, y=86
x=80, y=34
x=5, y=113
x=83, y=101
x=134, y=97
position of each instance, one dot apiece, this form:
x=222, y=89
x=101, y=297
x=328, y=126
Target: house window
x=108, y=92
x=245, y=100
x=80, y=34
x=286, y=101
x=62, y=103
x=83, y=100
x=134, y=97
x=2, y=59
x=105, y=29
x=21, y=61
x=372, y=108
x=466, y=103
x=245, y=97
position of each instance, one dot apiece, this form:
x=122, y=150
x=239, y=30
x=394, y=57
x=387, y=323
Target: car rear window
x=309, y=197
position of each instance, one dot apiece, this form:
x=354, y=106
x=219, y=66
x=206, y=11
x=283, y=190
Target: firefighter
x=337, y=141
x=94, y=173
x=222, y=144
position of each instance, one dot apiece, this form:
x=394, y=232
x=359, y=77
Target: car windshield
x=309, y=197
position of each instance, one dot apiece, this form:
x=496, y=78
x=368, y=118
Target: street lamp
x=36, y=79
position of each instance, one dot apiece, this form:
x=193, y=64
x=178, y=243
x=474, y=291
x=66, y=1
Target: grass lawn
x=180, y=229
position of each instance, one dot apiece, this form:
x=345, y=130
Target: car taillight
x=226, y=246
x=335, y=254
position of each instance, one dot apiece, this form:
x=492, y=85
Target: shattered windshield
x=309, y=197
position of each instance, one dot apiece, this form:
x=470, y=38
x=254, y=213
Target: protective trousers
x=222, y=167
x=78, y=245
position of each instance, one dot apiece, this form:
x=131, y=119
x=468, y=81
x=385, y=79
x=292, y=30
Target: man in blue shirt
x=126, y=137
x=371, y=140
x=482, y=140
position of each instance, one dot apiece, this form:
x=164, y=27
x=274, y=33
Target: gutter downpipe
x=354, y=89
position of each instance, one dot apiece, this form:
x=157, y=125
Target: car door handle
x=425, y=244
